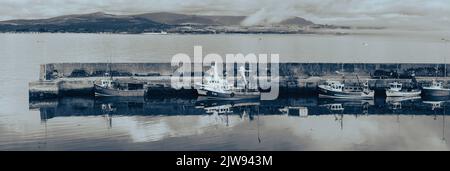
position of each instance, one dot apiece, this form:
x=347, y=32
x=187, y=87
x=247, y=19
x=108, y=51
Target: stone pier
x=77, y=79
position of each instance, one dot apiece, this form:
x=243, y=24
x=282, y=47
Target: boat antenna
x=110, y=71
x=445, y=69
x=445, y=59
x=436, y=70
x=359, y=81
x=398, y=73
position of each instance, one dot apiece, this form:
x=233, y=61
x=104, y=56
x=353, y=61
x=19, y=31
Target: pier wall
x=60, y=79
x=299, y=70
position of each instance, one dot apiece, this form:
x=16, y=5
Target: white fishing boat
x=396, y=90
x=216, y=87
x=335, y=89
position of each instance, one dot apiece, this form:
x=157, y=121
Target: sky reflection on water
x=188, y=124
x=182, y=124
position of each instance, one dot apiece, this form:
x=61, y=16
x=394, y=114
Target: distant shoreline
x=181, y=33
x=168, y=23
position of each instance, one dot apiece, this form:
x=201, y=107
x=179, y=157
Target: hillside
x=148, y=22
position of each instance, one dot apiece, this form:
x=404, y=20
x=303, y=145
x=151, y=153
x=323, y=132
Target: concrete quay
x=77, y=79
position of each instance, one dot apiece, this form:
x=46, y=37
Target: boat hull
x=402, y=99
x=206, y=94
x=390, y=93
x=101, y=91
x=435, y=92
x=325, y=93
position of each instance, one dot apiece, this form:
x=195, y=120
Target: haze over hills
x=148, y=22
x=177, y=19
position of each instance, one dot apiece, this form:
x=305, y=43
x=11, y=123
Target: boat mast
x=110, y=72
x=445, y=68
x=398, y=73
x=110, y=68
x=243, y=72
x=445, y=59
x=359, y=81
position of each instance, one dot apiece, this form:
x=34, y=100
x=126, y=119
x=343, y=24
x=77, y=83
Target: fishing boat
x=436, y=89
x=396, y=90
x=216, y=87
x=335, y=89
x=109, y=87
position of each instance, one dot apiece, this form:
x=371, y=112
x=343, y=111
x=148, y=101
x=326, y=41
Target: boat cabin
x=106, y=83
x=436, y=84
x=395, y=86
x=335, y=85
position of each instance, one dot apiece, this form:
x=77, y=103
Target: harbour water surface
x=186, y=124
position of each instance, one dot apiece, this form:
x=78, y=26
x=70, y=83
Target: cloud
x=394, y=13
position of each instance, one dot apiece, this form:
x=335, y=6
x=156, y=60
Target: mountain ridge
x=163, y=18
x=149, y=22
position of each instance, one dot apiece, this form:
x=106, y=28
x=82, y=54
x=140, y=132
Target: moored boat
x=335, y=89
x=396, y=90
x=109, y=87
x=436, y=89
x=219, y=88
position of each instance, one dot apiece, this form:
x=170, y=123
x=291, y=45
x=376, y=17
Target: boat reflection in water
x=131, y=106
x=165, y=123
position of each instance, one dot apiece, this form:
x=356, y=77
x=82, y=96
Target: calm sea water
x=174, y=124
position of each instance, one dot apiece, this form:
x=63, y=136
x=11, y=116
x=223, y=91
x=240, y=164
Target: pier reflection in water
x=284, y=124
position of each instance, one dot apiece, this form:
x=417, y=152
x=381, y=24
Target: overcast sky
x=390, y=13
